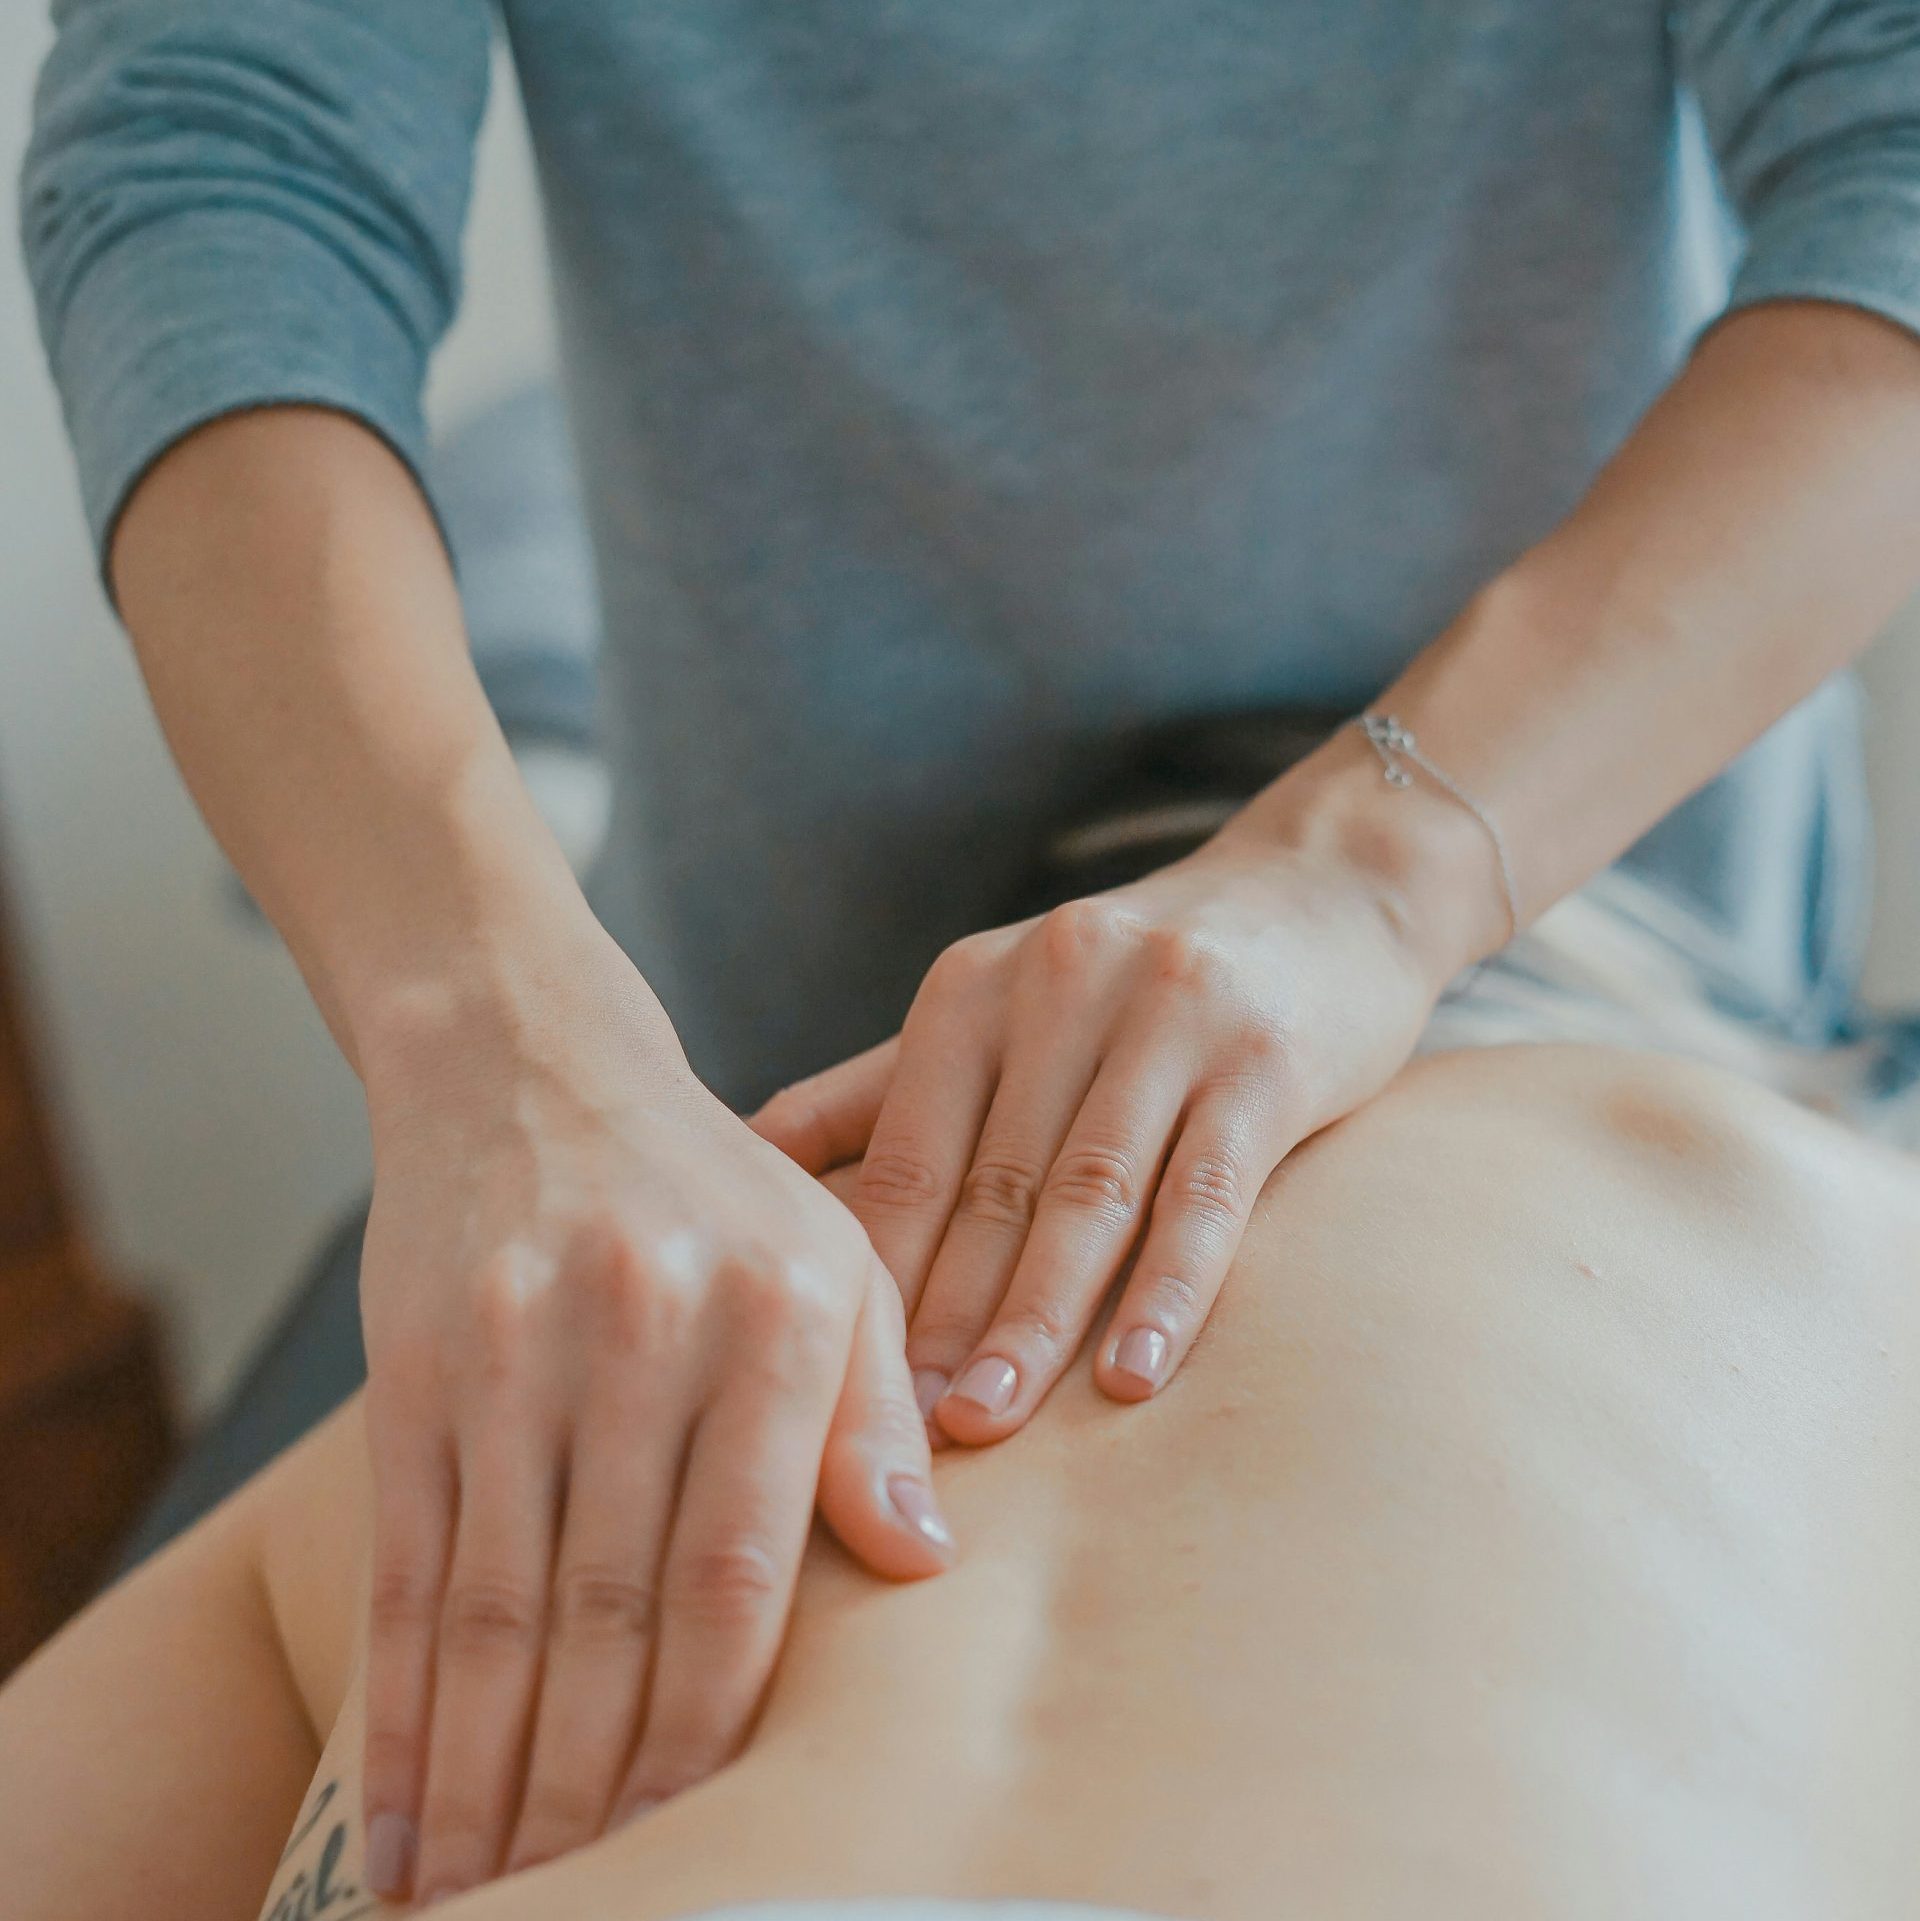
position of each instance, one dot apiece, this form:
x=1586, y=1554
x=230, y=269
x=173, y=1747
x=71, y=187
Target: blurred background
x=208, y=1135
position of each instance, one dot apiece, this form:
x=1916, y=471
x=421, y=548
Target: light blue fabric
x=960, y=387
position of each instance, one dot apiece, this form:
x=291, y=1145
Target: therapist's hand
x=616, y=1341
x=1122, y=1073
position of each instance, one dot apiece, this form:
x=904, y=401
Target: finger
x=413, y=1509
x=1200, y=1212
x=732, y=1559
x=876, y=1487
x=924, y=1137
x=602, y=1624
x=492, y=1624
x=827, y=1119
x=1091, y=1210
x=1050, y=1065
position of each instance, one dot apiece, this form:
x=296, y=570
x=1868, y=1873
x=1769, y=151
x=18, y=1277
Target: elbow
x=228, y=119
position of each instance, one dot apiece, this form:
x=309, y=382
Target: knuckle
x=1001, y=1189
x=963, y=967
x=1209, y=1186
x=500, y=1309
x=1077, y=932
x=1171, y=1299
x=633, y=1303
x=792, y=1114
x=489, y=1619
x=731, y=1582
x=609, y=1267
x=1036, y=1323
x=1263, y=1046
x=894, y=1428
x=785, y=1311
x=956, y=985
x=1100, y=1179
x=808, y=1347
x=602, y=1606
x=755, y=1280
x=942, y=1338
x=817, y=1326
x=1186, y=961
x=556, y=1807
x=401, y=1601
x=896, y=1177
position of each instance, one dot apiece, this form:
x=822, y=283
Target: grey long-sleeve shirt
x=958, y=385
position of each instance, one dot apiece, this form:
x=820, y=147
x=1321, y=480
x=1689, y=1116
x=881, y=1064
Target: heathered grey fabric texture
x=958, y=389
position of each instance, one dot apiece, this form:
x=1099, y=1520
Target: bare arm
x=577, y=1258
x=1751, y=536
x=297, y=622
x=1172, y=1040
x=155, y=1752
x=243, y=230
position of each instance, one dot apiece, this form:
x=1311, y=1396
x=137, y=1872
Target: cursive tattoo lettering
x=318, y=1889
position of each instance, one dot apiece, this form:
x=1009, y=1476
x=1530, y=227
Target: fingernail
x=988, y=1383
x=1143, y=1354
x=391, y=1846
x=913, y=1501
x=928, y=1386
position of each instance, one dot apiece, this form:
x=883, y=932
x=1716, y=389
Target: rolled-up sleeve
x=227, y=206
x=1813, y=111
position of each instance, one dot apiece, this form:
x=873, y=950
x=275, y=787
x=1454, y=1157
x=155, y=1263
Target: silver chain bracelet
x=1395, y=744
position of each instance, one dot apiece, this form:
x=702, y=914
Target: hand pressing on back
x=615, y=1342
x=1118, y=1078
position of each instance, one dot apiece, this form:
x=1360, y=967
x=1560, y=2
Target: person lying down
x=1535, y=1533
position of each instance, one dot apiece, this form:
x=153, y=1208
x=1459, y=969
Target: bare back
x=1537, y=1532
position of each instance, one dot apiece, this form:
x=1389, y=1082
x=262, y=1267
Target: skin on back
x=1535, y=1534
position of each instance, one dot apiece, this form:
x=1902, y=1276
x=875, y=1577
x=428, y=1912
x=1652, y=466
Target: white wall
x=213, y=1132
x=209, y=1124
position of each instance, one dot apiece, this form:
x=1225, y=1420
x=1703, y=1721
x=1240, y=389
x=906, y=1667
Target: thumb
x=827, y=1119
x=876, y=1482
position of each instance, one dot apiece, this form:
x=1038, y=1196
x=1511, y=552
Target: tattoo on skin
x=318, y=1890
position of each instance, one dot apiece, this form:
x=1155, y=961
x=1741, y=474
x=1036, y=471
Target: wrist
x=1414, y=854
x=517, y=995
x=476, y=946
x=433, y=905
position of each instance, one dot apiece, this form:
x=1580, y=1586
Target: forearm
x=297, y=622
x=1750, y=537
